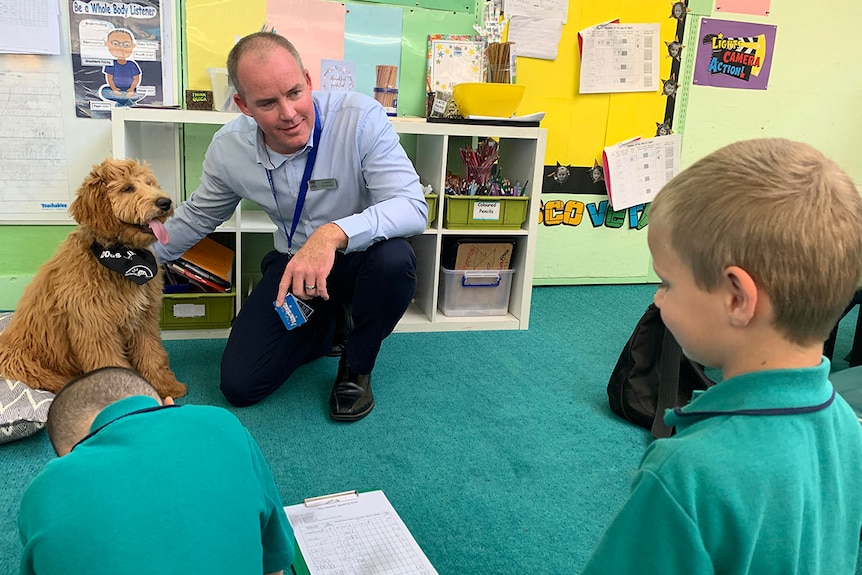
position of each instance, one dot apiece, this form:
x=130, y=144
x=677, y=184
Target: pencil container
x=386, y=91
x=485, y=212
x=499, y=69
x=223, y=90
x=388, y=98
x=431, y=200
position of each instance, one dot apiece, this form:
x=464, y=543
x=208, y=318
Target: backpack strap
x=668, y=383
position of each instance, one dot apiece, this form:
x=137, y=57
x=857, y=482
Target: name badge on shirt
x=325, y=184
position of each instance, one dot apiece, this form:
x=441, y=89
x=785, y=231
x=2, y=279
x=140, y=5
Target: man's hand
x=306, y=272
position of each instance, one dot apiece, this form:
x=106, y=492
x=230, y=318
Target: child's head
x=779, y=210
x=76, y=406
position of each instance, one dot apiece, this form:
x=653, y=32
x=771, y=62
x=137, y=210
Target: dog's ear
x=92, y=206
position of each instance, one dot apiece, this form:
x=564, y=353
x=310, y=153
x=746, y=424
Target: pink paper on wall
x=315, y=27
x=754, y=7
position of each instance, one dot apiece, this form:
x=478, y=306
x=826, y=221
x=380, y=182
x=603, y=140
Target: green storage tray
x=197, y=310
x=486, y=212
x=431, y=200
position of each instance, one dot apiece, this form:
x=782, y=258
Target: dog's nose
x=163, y=204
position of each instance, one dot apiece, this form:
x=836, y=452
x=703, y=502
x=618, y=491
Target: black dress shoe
x=351, y=397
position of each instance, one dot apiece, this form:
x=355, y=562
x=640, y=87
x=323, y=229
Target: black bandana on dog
x=137, y=265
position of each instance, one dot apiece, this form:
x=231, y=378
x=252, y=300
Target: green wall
x=22, y=250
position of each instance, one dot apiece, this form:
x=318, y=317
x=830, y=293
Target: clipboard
x=352, y=532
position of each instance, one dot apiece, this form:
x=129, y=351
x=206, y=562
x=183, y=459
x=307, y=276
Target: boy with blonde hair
x=759, y=248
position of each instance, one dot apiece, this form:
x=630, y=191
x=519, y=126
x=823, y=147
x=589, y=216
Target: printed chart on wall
x=117, y=52
x=32, y=145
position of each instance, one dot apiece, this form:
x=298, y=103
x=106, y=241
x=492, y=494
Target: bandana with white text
x=139, y=265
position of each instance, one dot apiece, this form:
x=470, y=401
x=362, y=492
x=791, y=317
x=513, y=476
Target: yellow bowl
x=487, y=99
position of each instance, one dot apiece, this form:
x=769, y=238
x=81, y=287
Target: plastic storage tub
x=475, y=292
x=486, y=212
x=197, y=310
x=431, y=200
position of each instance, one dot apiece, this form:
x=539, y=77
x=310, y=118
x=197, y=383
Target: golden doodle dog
x=96, y=302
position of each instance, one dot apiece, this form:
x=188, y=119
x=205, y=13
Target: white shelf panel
x=256, y=221
x=175, y=334
x=169, y=116
x=153, y=135
x=483, y=232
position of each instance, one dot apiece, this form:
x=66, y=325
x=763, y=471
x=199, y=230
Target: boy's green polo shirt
x=180, y=489
x=764, y=476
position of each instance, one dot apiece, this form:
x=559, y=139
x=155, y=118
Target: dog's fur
x=77, y=315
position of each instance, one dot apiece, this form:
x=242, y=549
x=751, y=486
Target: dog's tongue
x=159, y=230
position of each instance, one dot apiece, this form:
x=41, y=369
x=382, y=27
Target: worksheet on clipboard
x=355, y=533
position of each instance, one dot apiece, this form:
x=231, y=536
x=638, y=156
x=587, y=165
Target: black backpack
x=652, y=375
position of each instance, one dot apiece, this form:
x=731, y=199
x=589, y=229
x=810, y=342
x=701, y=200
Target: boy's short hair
x=261, y=42
x=78, y=403
x=783, y=212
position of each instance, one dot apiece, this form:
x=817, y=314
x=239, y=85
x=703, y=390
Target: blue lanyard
x=303, y=185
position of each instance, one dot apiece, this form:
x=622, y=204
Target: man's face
x=120, y=45
x=277, y=94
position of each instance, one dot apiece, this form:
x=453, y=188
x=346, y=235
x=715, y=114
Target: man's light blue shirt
x=377, y=194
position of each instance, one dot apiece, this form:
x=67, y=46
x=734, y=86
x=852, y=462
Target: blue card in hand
x=294, y=312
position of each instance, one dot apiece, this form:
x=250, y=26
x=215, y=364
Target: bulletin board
x=580, y=238
x=212, y=28
x=45, y=149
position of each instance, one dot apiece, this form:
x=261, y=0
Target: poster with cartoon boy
x=123, y=75
x=118, y=56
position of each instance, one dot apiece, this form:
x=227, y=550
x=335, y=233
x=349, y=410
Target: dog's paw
x=171, y=389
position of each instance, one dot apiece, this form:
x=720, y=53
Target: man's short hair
x=262, y=43
x=80, y=401
x=783, y=212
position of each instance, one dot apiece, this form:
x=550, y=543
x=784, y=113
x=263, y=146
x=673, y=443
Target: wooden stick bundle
x=385, y=91
x=499, y=62
x=387, y=76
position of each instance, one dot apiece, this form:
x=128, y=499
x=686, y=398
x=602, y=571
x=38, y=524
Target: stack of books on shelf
x=205, y=267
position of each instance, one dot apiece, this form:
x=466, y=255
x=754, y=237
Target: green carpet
x=496, y=448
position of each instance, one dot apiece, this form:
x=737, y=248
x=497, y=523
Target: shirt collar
x=772, y=389
x=122, y=407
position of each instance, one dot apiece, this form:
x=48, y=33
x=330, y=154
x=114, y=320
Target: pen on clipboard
x=331, y=498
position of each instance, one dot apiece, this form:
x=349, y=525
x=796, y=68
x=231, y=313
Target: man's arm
x=211, y=204
x=398, y=208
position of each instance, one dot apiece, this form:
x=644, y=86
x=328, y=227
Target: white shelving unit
x=153, y=136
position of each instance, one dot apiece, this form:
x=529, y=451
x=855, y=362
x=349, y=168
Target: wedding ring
x=310, y=288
